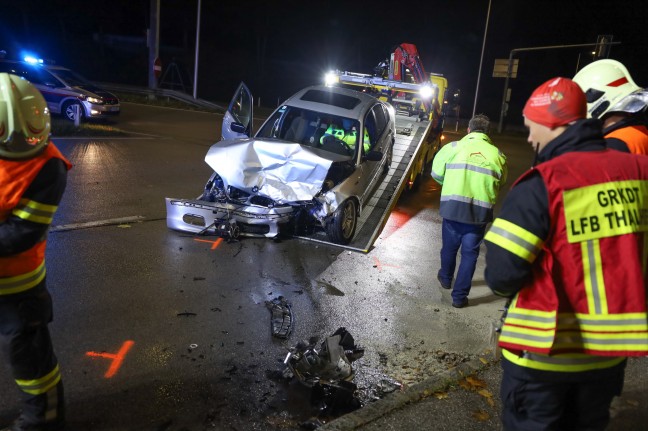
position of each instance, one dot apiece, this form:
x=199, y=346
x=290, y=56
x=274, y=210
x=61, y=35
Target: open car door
x=237, y=122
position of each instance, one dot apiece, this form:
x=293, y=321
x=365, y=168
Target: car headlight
x=95, y=100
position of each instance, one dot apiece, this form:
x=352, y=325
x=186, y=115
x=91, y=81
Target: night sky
x=278, y=47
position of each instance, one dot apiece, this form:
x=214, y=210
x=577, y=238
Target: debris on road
x=281, y=319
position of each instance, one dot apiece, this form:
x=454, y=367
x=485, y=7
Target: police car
x=65, y=90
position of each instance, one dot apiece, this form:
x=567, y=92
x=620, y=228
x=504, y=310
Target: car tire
x=68, y=110
x=342, y=225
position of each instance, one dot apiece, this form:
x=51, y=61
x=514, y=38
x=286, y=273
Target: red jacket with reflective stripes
x=15, y=178
x=589, y=285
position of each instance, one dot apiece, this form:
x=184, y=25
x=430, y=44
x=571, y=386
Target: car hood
x=91, y=90
x=283, y=171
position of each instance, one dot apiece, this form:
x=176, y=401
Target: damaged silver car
x=313, y=164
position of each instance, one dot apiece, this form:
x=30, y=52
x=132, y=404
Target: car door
x=237, y=122
x=375, y=124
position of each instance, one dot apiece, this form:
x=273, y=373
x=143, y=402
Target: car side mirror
x=374, y=156
x=237, y=127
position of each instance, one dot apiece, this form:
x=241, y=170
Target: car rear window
x=329, y=98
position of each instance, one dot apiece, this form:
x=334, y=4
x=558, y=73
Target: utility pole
x=195, y=86
x=153, y=42
x=481, y=59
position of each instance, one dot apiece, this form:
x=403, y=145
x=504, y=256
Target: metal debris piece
x=330, y=364
x=281, y=320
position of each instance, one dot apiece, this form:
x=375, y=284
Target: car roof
x=26, y=63
x=332, y=100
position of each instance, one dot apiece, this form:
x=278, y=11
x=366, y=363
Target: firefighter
x=569, y=248
x=613, y=97
x=32, y=179
x=470, y=172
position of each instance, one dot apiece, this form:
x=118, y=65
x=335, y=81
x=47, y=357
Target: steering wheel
x=346, y=148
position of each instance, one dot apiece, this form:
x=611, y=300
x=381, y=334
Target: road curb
x=396, y=400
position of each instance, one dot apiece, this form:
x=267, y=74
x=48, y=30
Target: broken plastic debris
x=281, y=320
x=330, y=364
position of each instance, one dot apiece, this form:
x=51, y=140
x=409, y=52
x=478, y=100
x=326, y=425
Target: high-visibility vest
x=635, y=137
x=471, y=171
x=24, y=270
x=586, y=299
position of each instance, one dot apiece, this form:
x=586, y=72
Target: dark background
x=279, y=46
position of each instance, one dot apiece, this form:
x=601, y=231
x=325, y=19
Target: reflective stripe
x=531, y=318
x=34, y=211
x=437, y=177
x=474, y=168
x=42, y=385
x=20, y=283
x=466, y=199
x=527, y=336
x=514, y=239
x=605, y=322
x=593, y=277
x=562, y=363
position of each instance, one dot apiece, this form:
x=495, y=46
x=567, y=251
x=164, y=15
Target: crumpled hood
x=284, y=171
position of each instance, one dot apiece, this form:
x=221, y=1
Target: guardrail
x=161, y=92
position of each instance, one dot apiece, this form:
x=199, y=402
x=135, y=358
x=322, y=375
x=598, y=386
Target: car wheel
x=69, y=110
x=342, y=225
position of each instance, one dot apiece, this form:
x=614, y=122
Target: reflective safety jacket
x=584, y=306
x=29, y=197
x=634, y=137
x=471, y=172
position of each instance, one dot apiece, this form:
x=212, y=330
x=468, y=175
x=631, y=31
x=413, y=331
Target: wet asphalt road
x=160, y=330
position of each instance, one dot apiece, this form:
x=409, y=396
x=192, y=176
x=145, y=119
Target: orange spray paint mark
x=378, y=264
x=213, y=243
x=117, y=358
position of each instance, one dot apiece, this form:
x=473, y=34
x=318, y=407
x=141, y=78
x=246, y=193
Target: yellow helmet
x=605, y=83
x=24, y=118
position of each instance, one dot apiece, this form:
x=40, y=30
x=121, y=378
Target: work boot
x=460, y=304
x=21, y=425
x=443, y=284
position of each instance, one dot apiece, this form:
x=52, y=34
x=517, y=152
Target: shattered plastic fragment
x=281, y=320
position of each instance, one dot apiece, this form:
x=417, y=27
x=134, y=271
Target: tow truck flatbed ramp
x=410, y=135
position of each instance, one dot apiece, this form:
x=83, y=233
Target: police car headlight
x=95, y=100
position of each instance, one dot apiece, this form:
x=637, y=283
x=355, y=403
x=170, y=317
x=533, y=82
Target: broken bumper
x=197, y=216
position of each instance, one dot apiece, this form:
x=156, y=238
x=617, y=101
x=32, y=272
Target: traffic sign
x=502, y=67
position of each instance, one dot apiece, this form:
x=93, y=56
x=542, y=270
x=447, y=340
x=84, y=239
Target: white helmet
x=605, y=82
x=24, y=118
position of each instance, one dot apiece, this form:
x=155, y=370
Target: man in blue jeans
x=470, y=172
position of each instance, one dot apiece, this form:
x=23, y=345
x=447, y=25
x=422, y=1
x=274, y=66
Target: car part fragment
x=329, y=364
x=281, y=321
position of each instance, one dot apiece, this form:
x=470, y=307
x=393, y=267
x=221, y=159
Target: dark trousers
x=549, y=404
x=468, y=237
x=27, y=349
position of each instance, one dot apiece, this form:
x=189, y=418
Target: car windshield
x=72, y=79
x=324, y=131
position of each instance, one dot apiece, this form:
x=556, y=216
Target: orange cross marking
x=213, y=243
x=380, y=265
x=117, y=358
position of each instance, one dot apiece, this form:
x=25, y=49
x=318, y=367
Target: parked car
x=64, y=90
x=313, y=164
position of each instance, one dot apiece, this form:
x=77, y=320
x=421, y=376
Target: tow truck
x=415, y=94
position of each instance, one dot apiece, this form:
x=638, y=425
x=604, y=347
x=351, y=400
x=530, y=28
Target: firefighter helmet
x=605, y=83
x=24, y=118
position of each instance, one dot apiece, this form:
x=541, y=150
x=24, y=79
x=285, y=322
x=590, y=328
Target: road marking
x=214, y=244
x=106, y=222
x=117, y=358
x=379, y=265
